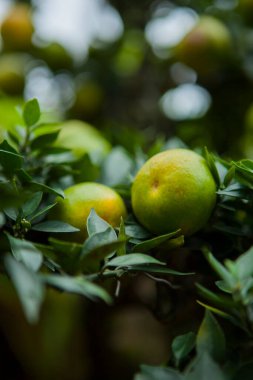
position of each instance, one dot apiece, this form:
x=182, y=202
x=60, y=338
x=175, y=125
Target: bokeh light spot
x=187, y=101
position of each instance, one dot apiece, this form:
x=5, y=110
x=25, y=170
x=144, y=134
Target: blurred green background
x=142, y=73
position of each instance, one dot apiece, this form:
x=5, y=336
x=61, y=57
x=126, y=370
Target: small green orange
x=78, y=202
x=174, y=189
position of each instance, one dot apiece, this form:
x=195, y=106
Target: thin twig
x=162, y=280
x=117, y=290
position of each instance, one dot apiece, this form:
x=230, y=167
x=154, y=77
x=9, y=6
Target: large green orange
x=78, y=202
x=174, y=189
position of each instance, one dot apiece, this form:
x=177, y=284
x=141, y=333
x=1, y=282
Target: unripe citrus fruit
x=78, y=202
x=12, y=73
x=81, y=138
x=206, y=47
x=174, y=189
x=55, y=55
x=17, y=28
x=89, y=98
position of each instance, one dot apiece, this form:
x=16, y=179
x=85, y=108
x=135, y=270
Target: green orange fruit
x=78, y=202
x=17, y=28
x=55, y=55
x=206, y=47
x=174, y=190
x=82, y=138
x=12, y=73
x=89, y=99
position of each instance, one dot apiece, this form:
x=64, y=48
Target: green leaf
x=11, y=212
x=133, y=259
x=205, y=368
x=23, y=175
x=25, y=252
x=160, y=373
x=211, y=163
x=78, y=285
x=42, y=141
x=42, y=211
x=122, y=236
x=41, y=187
x=136, y=231
x=223, y=286
x=2, y=219
x=65, y=246
x=244, y=265
x=158, y=269
x=96, y=248
x=10, y=160
x=95, y=225
x=216, y=299
x=244, y=171
x=97, y=240
x=32, y=204
x=54, y=226
x=67, y=254
x=29, y=287
x=220, y=270
x=236, y=191
x=210, y=338
x=216, y=311
x=31, y=112
x=229, y=176
x=182, y=345
x=147, y=245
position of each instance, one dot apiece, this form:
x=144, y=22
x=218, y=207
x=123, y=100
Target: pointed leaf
x=10, y=160
x=205, y=368
x=11, y=212
x=210, y=338
x=211, y=163
x=31, y=112
x=42, y=211
x=26, y=252
x=182, y=345
x=159, y=269
x=41, y=187
x=220, y=269
x=244, y=265
x=122, y=236
x=54, y=226
x=217, y=299
x=42, y=141
x=133, y=259
x=95, y=224
x=147, y=245
x=97, y=240
x=78, y=285
x=28, y=286
x=32, y=204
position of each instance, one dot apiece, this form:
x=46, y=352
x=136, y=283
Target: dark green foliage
x=36, y=255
